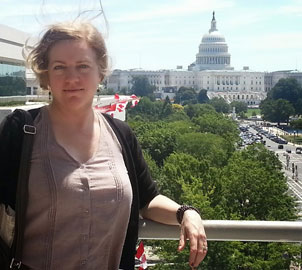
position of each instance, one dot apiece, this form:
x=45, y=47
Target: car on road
x=288, y=150
x=299, y=150
x=280, y=146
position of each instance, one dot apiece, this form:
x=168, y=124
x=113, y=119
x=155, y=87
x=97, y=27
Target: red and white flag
x=121, y=106
x=118, y=105
x=140, y=255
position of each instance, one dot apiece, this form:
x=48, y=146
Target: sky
x=265, y=35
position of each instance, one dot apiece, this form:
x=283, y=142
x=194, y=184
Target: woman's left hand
x=192, y=229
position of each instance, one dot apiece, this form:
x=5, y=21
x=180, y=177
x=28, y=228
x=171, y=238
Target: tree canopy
x=220, y=105
x=276, y=110
x=185, y=96
x=202, y=96
x=141, y=86
x=193, y=156
x=239, y=106
x=283, y=101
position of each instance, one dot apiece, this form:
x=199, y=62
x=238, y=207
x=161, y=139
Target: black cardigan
x=143, y=187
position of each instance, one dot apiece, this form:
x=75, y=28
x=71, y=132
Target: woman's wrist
x=182, y=209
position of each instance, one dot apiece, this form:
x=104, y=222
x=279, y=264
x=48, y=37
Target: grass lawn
x=292, y=139
x=250, y=111
x=11, y=103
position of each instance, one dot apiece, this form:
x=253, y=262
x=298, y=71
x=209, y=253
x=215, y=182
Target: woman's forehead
x=71, y=50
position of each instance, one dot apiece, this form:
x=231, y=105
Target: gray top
x=77, y=214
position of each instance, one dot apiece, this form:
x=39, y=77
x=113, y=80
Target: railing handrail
x=230, y=230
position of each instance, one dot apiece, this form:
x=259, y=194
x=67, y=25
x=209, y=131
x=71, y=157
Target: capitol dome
x=213, y=51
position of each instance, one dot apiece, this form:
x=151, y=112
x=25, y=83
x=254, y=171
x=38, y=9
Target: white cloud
x=293, y=9
x=270, y=42
x=180, y=8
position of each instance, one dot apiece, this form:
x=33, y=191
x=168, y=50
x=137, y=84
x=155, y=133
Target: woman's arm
x=163, y=210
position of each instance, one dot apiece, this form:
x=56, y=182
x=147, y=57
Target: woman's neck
x=71, y=119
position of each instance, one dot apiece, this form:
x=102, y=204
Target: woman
x=88, y=180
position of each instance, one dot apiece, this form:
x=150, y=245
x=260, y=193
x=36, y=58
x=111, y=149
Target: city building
x=210, y=71
x=271, y=78
x=14, y=77
x=213, y=51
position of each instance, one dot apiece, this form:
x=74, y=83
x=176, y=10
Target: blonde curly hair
x=37, y=59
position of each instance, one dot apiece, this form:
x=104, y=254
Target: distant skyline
x=162, y=34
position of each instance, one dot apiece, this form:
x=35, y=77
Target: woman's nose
x=71, y=75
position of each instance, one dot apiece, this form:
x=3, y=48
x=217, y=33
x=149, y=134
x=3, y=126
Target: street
x=292, y=164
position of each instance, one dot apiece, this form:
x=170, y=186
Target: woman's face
x=73, y=75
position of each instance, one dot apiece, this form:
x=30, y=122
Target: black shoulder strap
x=22, y=191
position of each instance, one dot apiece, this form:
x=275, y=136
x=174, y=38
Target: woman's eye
x=58, y=67
x=84, y=66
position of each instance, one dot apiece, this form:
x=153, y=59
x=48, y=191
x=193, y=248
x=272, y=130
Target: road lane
x=294, y=183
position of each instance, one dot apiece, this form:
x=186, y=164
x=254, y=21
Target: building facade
x=213, y=51
x=210, y=71
x=271, y=78
x=247, y=86
x=15, y=79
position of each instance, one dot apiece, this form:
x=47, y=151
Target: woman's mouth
x=73, y=90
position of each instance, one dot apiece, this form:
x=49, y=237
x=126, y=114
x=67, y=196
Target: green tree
x=141, y=86
x=177, y=116
x=296, y=124
x=156, y=139
x=202, y=96
x=106, y=91
x=185, y=96
x=206, y=146
x=218, y=124
x=146, y=109
x=276, y=110
x=166, y=108
x=288, y=89
x=154, y=169
x=12, y=86
x=255, y=187
x=239, y=106
x=298, y=106
x=220, y=105
x=195, y=110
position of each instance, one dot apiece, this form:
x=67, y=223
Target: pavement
x=6, y=110
x=294, y=180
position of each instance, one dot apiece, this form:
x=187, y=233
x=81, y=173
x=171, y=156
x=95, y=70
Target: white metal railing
x=230, y=230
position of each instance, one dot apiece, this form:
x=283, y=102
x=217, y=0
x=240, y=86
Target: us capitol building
x=211, y=71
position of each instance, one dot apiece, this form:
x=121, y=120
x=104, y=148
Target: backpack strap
x=22, y=191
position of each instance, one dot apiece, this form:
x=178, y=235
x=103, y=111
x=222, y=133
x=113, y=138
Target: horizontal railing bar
x=230, y=230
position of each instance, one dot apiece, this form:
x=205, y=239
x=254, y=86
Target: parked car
x=299, y=150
